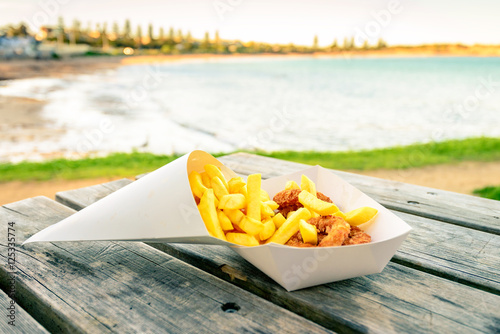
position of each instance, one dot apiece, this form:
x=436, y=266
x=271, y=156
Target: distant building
x=18, y=47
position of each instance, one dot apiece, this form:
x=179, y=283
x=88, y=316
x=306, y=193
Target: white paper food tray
x=160, y=207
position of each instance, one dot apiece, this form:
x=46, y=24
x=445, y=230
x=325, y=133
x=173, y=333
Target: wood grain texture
x=435, y=248
x=92, y=194
x=446, y=250
x=23, y=322
x=457, y=253
x=398, y=300
x=100, y=287
x=464, y=210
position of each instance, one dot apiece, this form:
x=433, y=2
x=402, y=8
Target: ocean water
x=221, y=105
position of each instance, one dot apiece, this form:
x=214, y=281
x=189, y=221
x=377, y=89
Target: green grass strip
x=131, y=164
x=114, y=165
x=489, y=192
x=400, y=157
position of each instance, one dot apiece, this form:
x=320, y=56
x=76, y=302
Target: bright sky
x=281, y=21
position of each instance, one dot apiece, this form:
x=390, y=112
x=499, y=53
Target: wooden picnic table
x=445, y=278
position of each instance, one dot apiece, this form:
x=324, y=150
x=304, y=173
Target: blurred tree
x=315, y=43
x=381, y=44
x=352, y=43
x=217, y=39
x=334, y=45
x=138, y=36
x=188, y=45
x=161, y=36
x=365, y=45
x=60, y=30
x=290, y=48
x=22, y=30
x=150, y=31
x=218, y=46
x=115, y=36
x=104, y=36
x=171, y=35
x=76, y=32
x=179, y=38
x=166, y=49
x=60, y=22
x=205, y=46
x=116, y=29
x=346, y=46
x=127, y=29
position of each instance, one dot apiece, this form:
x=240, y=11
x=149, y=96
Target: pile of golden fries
x=243, y=214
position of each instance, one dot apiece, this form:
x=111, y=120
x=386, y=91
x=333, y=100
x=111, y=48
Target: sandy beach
x=31, y=68
x=20, y=119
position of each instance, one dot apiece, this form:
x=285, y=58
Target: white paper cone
x=158, y=207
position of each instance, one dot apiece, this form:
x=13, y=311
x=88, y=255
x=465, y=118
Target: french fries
x=278, y=220
x=253, y=196
x=291, y=185
x=235, y=184
x=206, y=180
x=224, y=221
x=244, y=214
x=235, y=216
x=290, y=226
x=266, y=210
x=220, y=189
x=196, y=183
x=232, y=202
x=250, y=226
x=308, y=232
x=209, y=214
x=308, y=185
x=242, y=239
x=214, y=171
x=314, y=204
x=268, y=230
x=361, y=215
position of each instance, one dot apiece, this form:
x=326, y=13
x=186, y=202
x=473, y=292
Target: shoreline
x=31, y=68
x=151, y=59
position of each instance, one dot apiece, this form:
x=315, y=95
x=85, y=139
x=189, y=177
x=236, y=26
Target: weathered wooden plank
x=469, y=211
x=463, y=255
x=454, y=252
x=94, y=287
x=92, y=193
x=400, y=299
x=21, y=322
x=395, y=284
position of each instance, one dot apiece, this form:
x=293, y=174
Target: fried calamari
x=332, y=231
x=357, y=236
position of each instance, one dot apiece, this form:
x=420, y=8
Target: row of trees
x=170, y=42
